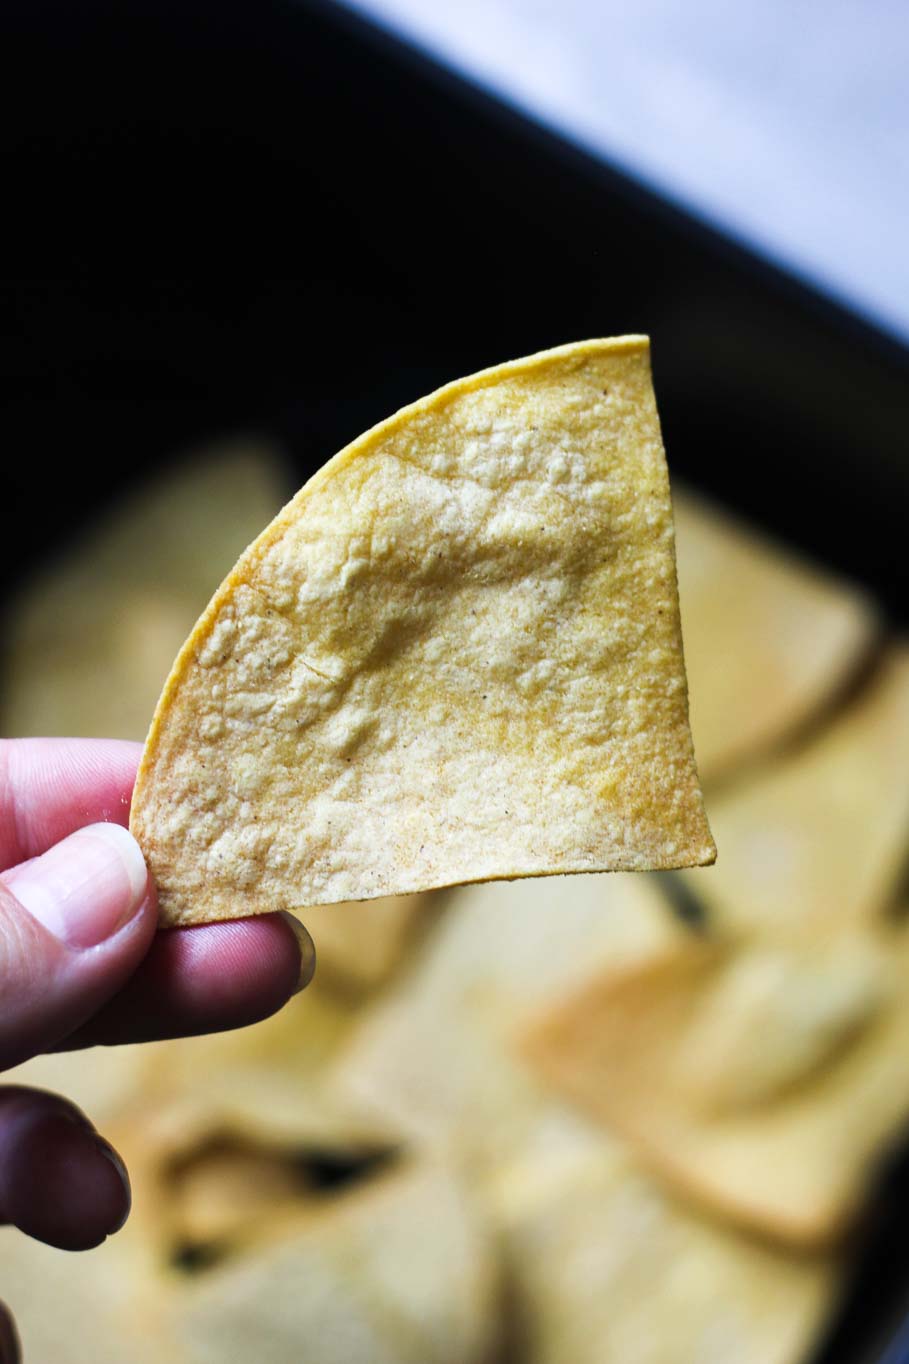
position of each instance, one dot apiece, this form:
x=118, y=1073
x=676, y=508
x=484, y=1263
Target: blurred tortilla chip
x=435, y=1058
x=358, y=946
x=455, y=656
x=765, y=1083
x=273, y=1082
x=605, y=1265
x=820, y=838
x=88, y=638
x=401, y=1273
x=770, y=640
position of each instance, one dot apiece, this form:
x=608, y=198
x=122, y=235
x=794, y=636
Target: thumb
x=74, y=924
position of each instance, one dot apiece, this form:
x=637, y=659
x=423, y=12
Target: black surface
x=341, y=227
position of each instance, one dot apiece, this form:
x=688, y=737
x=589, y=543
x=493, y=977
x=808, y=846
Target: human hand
x=81, y=964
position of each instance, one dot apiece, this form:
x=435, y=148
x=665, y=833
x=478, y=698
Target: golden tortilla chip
x=88, y=638
x=455, y=656
x=766, y=1082
x=820, y=839
x=770, y=640
x=604, y=1265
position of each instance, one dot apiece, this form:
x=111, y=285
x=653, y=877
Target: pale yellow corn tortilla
x=436, y=1057
x=70, y=1308
x=454, y=656
x=764, y=1082
x=88, y=638
x=272, y=1083
x=402, y=1273
x=359, y=946
x=203, y=1182
x=398, y=1268
x=604, y=1265
x=770, y=639
x=230, y=1187
x=819, y=839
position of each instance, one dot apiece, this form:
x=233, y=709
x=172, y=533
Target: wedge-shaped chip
x=769, y=639
x=820, y=839
x=87, y=640
x=454, y=656
x=764, y=1082
x=605, y=1266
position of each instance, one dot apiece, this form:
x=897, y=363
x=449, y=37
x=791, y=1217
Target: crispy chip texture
x=455, y=656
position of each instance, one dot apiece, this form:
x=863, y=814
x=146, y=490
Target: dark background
x=267, y=216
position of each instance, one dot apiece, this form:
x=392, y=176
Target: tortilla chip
x=358, y=946
x=87, y=639
x=102, y=1081
x=435, y=1059
x=395, y=1267
x=604, y=1265
x=227, y=1187
x=403, y=1273
x=70, y=1308
x=770, y=640
x=819, y=839
x=455, y=656
x=766, y=1082
x=271, y=1083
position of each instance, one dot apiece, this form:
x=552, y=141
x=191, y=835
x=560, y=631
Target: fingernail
x=86, y=887
x=110, y=1154
x=307, y=950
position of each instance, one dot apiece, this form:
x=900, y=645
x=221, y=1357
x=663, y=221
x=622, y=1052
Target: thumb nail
x=86, y=887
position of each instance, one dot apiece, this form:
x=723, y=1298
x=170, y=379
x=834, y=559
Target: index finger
x=51, y=787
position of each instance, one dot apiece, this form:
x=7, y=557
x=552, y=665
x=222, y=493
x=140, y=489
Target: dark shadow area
x=876, y=1301
x=233, y=216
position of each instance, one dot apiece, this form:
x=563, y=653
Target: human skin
x=81, y=964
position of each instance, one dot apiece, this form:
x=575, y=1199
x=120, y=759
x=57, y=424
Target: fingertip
x=207, y=978
x=121, y=1194
x=64, y=1184
x=10, y=1347
x=270, y=958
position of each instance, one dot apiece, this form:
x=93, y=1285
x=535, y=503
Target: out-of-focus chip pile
x=569, y=1121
